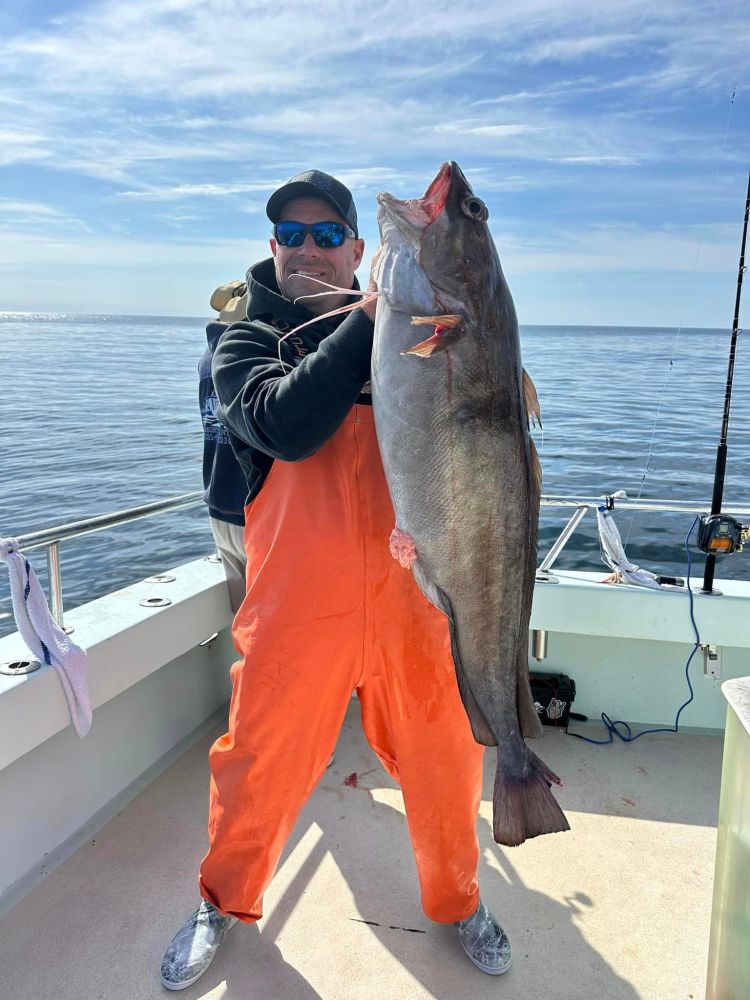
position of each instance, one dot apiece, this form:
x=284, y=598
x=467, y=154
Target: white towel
x=614, y=552
x=44, y=637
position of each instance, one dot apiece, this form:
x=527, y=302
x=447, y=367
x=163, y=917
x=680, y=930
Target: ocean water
x=100, y=413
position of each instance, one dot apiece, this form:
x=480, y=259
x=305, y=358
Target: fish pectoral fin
x=445, y=327
x=528, y=718
x=479, y=727
x=426, y=348
x=531, y=401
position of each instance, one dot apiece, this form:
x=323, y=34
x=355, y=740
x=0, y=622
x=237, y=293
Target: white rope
x=44, y=638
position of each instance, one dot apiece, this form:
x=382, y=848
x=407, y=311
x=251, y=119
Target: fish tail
x=523, y=803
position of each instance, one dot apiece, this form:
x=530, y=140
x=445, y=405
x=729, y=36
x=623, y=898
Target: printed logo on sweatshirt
x=213, y=429
x=293, y=339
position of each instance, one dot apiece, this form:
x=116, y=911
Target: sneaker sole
x=485, y=968
x=189, y=982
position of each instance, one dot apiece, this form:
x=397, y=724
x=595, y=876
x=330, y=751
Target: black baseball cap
x=314, y=184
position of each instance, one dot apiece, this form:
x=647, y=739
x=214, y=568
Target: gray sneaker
x=485, y=942
x=193, y=947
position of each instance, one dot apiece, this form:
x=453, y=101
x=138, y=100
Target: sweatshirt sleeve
x=290, y=414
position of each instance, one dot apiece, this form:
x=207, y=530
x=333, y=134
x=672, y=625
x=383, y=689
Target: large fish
x=452, y=407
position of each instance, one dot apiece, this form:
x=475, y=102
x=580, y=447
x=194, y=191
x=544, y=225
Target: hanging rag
x=613, y=551
x=43, y=636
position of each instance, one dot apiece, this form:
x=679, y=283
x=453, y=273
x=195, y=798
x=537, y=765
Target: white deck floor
x=616, y=909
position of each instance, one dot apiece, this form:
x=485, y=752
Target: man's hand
x=369, y=308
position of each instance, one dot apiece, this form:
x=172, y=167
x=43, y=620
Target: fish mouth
x=414, y=215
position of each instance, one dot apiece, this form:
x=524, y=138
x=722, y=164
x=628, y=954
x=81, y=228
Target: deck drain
x=13, y=668
x=161, y=578
x=155, y=602
x=212, y=558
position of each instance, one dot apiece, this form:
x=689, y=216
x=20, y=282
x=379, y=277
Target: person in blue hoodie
x=224, y=483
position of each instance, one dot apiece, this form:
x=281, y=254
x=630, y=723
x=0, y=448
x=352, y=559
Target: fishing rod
x=720, y=534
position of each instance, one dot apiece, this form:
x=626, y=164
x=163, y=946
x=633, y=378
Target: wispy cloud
x=616, y=249
x=181, y=192
x=574, y=49
x=37, y=216
x=495, y=131
x=29, y=208
x=620, y=161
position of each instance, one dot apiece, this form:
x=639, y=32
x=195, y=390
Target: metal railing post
x=55, y=582
x=562, y=538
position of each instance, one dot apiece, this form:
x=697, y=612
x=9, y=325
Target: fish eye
x=475, y=208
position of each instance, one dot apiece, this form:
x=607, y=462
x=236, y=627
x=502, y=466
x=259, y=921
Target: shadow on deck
x=617, y=909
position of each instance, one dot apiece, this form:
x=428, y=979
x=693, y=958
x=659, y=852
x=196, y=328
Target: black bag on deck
x=553, y=695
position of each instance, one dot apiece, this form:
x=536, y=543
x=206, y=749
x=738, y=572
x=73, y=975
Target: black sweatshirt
x=274, y=412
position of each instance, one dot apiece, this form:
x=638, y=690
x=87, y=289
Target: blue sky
x=139, y=142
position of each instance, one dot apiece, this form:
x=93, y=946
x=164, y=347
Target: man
x=223, y=479
x=327, y=608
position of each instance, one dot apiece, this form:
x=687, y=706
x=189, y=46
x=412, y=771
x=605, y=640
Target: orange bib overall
x=328, y=610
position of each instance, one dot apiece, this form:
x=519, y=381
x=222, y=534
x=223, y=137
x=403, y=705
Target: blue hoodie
x=223, y=479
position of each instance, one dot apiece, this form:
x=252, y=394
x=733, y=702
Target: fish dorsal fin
x=531, y=401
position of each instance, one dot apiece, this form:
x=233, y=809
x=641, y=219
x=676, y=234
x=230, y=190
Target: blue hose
x=621, y=729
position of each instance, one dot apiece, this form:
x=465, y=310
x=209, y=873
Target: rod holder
x=539, y=644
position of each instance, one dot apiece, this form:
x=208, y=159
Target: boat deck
x=617, y=909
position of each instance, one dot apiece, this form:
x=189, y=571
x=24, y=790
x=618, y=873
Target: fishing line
x=649, y=467
x=621, y=729
x=365, y=297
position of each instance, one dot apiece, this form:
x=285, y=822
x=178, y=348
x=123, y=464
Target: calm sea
x=100, y=413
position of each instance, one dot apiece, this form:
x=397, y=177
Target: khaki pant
x=229, y=542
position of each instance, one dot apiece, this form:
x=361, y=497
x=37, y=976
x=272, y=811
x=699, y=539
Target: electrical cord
x=621, y=729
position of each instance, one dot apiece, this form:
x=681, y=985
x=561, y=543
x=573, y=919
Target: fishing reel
x=721, y=534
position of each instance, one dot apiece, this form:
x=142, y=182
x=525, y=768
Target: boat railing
x=584, y=504
x=51, y=538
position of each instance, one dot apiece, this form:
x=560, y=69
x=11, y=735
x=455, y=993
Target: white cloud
x=32, y=208
x=495, y=131
x=572, y=49
x=620, y=161
x=182, y=191
x=38, y=217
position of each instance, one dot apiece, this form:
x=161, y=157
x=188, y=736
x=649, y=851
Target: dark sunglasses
x=325, y=234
